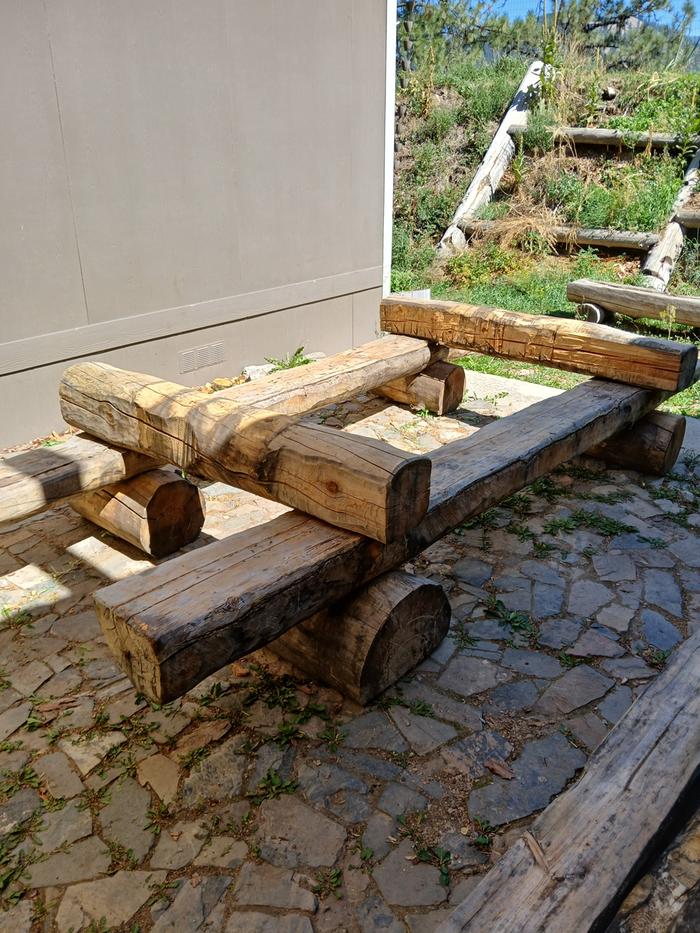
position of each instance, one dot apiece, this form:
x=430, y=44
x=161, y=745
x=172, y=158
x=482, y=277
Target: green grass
x=666, y=103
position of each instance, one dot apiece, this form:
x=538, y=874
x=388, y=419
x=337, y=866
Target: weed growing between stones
x=329, y=882
x=410, y=827
x=271, y=787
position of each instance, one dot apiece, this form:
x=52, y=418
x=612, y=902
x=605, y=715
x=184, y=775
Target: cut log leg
x=365, y=644
x=439, y=388
x=356, y=483
x=158, y=512
x=594, y=313
x=650, y=446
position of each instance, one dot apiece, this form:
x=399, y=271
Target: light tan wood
x=689, y=218
x=365, y=644
x=576, y=346
x=633, y=301
x=568, y=235
x=172, y=626
x=661, y=260
x=493, y=166
x=650, y=446
x=439, y=388
x=158, y=512
x=356, y=483
x=37, y=479
x=589, y=842
x=620, y=139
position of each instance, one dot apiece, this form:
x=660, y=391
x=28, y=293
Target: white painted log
x=622, y=139
x=494, y=164
x=569, y=235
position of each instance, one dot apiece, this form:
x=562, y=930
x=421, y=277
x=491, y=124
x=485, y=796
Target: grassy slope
x=450, y=119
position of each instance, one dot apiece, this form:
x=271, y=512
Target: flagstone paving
x=260, y=801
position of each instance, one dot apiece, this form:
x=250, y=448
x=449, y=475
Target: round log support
x=650, y=446
x=158, y=512
x=369, y=641
x=439, y=388
x=594, y=313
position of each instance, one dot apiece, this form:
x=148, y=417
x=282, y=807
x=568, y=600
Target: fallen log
x=173, y=625
x=568, y=235
x=661, y=260
x=439, y=388
x=650, y=446
x=366, y=643
x=576, y=346
x=584, y=852
x=636, y=302
x=158, y=512
x=356, y=483
x=620, y=139
x=493, y=166
x=689, y=218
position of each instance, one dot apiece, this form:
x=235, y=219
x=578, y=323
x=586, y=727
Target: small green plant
x=568, y=660
x=158, y=817
x=287, y=732
x=594, y=521
x=194, y=757
x=272, y=786
x=216, y=691
x=329, y=882
x=656, y=658
x=486, y=832
x=291, y=361
x=519, y=622
x=15, y=618
x=461, y=636
x=333, y=736
x=13, y=781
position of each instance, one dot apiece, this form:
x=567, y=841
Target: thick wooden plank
x=576, y=346
x=366, y=643
x=633, y=301
x=651, y=445
x=172, y=626
x=439, y=388
x=619, y=139
x=37, y=479
x=356, y=483
x=158, y=512
x=591, y=840
x=493, y=166
x=568, y=235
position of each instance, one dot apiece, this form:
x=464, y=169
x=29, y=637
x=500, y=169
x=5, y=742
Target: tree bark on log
x=650, y=446
x=636, y=302
x=366, y=643
x=158, y=512
x=439, y=388
x=357, y=483
x=576, y=346
x=173, y=625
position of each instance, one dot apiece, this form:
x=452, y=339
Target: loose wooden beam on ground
x=650, y=446
x=567, y=235
x=366, y=643
x=581, y=855
x=620, y=139
x=575, y=346
x=173, y=625
x=636, y=302
x=158, y=512
x=34, y=480
x=439, y=388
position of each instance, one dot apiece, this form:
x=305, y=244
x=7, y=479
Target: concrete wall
x=185, y=185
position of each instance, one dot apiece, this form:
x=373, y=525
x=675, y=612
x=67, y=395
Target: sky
x=516, y=8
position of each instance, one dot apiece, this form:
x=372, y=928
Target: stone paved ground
x=260, y=802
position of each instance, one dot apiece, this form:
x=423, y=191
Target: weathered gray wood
x=576, y=346
x=172, y=626
x=366, y=643
x=439, y=388
x=584, y=850
x=569, y=235
x=494, y=164
x=619, y=139
x=37, y=479
x=689, y=218
x=633, y=301
x=650, y=446
x=354, y=482
x=158, y=512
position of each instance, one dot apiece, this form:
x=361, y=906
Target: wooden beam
x=356, y=483
x=439, y=388
x=493, y=166
x=366, y=643
x=582, y=854
x=34, y=480
x=636, y=302
x=158, y=512
x=38, y=479
x=619, y=139
x=172, y=626
x=576, y=346
x=650, y=446
x=568, y=235
x=689, y=218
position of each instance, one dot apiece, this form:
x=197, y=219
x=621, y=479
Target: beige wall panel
x=40, y=284
x=365, y=316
